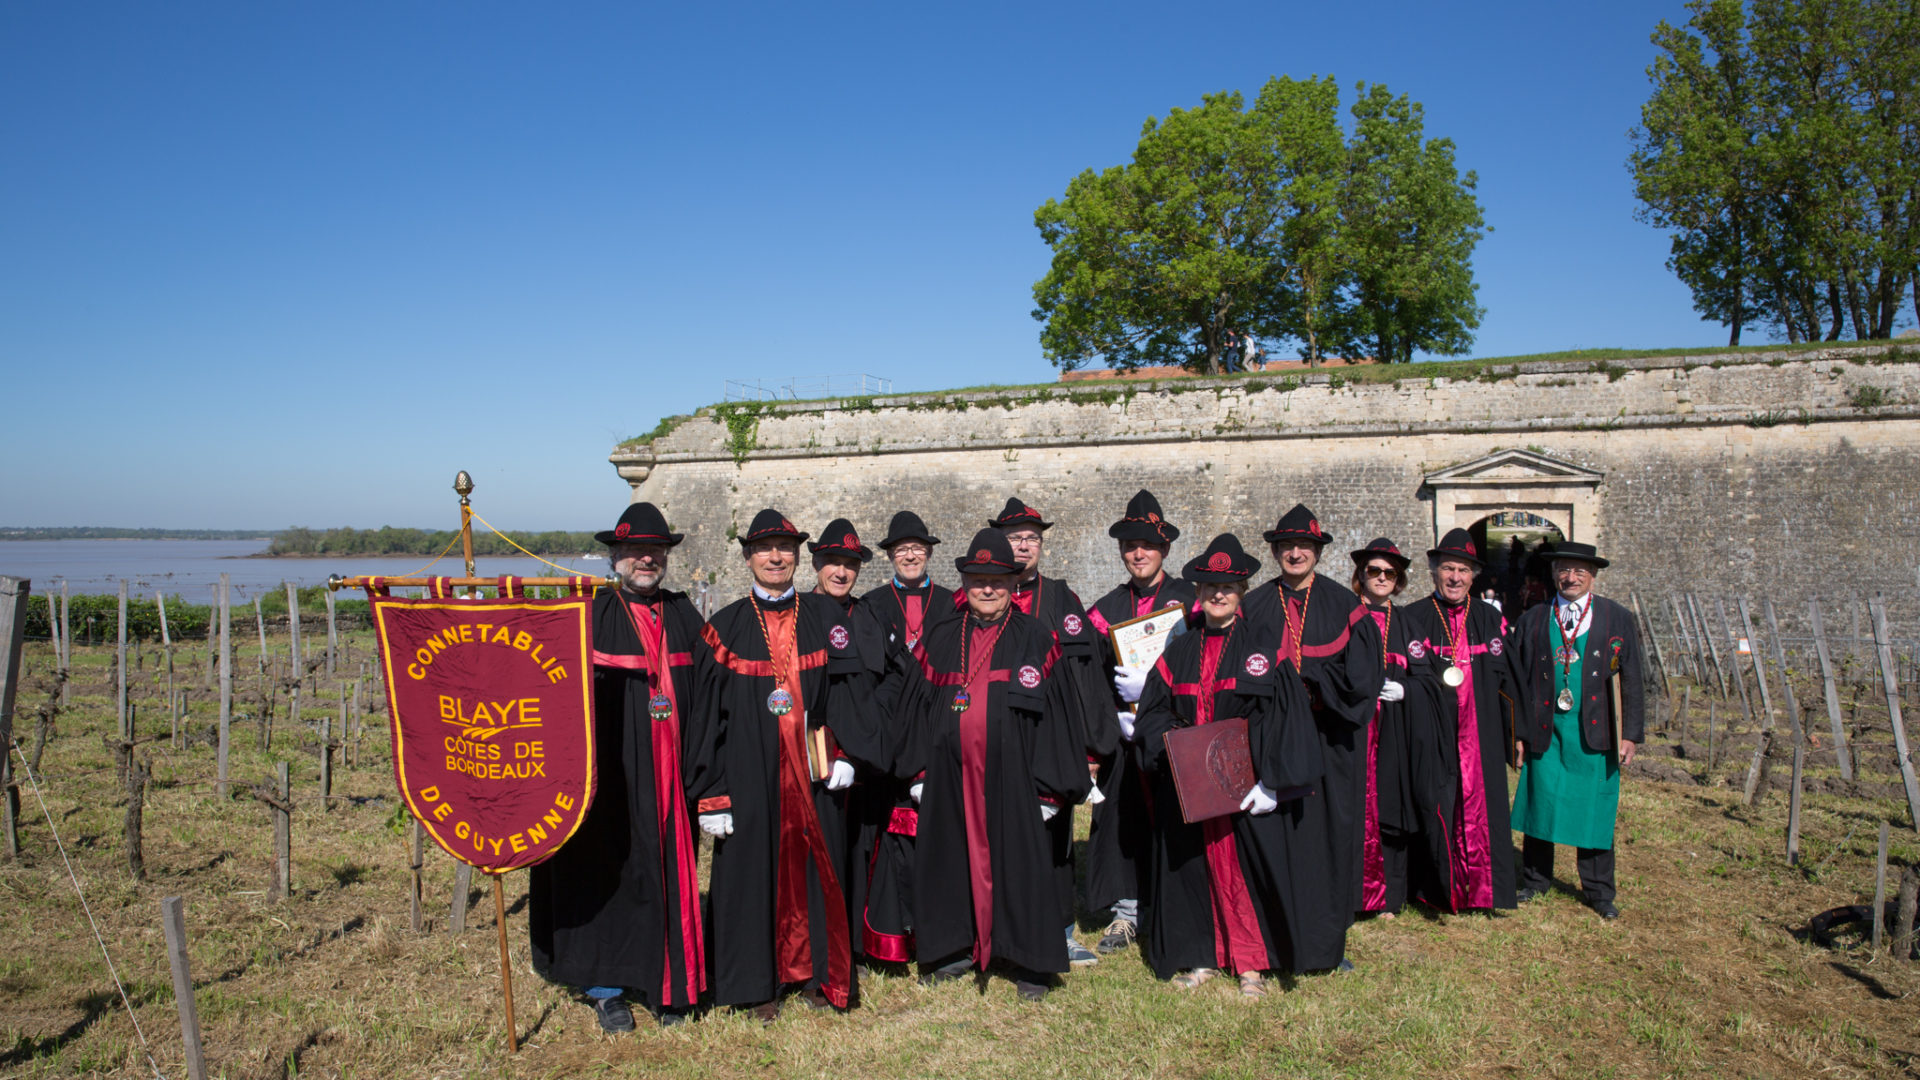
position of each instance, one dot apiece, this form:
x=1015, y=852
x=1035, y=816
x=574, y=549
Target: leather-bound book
x=1212, y=768
x=821, y=750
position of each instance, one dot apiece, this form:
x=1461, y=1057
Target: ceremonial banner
x=492, y=706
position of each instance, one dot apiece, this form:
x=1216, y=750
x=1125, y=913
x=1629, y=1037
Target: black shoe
x=614, y=1013
x=947, y=972
x=1030, y=991
x=816, y=999
x=667, y=1018
x=1345, y=967
x=1604, y=909
x=1527, y=895
x=766, y=1012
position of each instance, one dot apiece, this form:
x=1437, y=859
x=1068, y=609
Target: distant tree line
x=95, y=618
x=388, y=540
x=1781, y=146
x=1267, y=222
x=101, y=532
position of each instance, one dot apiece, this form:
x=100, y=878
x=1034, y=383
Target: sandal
x=1253, y=985
x=1190, y=980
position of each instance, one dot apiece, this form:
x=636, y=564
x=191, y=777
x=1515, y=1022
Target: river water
x=186, y=568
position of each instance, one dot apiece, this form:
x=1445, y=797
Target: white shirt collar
x=1579, y=612
x=769, y=597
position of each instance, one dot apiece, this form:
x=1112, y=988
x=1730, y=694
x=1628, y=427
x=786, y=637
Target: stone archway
x=1560, y=491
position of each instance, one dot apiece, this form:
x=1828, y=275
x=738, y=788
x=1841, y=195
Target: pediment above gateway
x=1514, y=467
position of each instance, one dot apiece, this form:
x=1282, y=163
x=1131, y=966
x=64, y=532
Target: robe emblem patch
x=1030, y=675
x=1071, y=624
x=839, y=637
x=1257, y=664
x=1417, y=650
x=1495, y=646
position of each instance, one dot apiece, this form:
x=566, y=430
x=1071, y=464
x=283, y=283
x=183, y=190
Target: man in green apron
x=1577, y=661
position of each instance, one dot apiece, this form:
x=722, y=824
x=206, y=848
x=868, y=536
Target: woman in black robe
x=1379, y=574
x=995, y=758
x=1225, y=892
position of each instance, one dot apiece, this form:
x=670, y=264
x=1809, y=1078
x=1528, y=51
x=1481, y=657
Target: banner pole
x=463, y=485
x=506, y=967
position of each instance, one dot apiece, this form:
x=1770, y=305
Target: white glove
x=1392, y=691
x=1094, y=798
x=914, y=792
x=719, y=826
x=1129, y=681
x=1259, y=800
x=1047, y=811
x=841, y=778
x=1127, y=720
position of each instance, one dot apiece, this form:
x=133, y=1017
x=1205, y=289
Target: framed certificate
x=1139, y=642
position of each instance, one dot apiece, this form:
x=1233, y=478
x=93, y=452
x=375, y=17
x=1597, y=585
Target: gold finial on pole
x=463, y=486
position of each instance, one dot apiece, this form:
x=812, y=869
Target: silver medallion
x=1453, y=676
x=1565, y=701
x=779, y=703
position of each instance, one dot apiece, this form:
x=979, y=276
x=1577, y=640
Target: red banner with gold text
x=492, y=707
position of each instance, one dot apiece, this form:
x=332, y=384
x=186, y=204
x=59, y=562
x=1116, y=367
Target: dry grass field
x=1710, y=972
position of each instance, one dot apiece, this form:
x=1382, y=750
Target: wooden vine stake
x=14, y=593
x=506, y=965
x=1832, y=691
x=173, y=922
x=1884, y=649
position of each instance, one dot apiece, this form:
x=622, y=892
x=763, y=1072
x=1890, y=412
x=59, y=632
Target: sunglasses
x=1380, y=571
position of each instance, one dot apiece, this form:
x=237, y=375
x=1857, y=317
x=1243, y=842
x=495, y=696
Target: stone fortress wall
x=1776, y=475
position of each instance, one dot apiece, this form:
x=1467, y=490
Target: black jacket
x=1613, y=637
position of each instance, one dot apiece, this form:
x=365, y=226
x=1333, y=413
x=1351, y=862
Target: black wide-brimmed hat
x=906, y=525
x=1017, y=513
x=1457, y=544
x=1381, y=548
x=769, y=524
x=838, y=538
x=1224, y=560
x=1297, y=524
x=1143, y=521
x=1576, y=553
x=988, y=554
x=641, y=523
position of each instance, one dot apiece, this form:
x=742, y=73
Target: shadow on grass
x=27, y=1049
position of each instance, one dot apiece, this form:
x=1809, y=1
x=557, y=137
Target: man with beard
x=1224, y=892
x=1565, y=655
x=907, y=605
x=1324, y=631
x=1120, y=843
x=1460, y=696
x=1059, y=610
x=617, y=909
x=998, y=758
x=789, y=695
x=1379, y=575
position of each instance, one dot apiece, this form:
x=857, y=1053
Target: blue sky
x=271, y=264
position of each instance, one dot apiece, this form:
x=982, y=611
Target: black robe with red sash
x=887, y=818
x=1390, y=817
x=1338, y=654
x=1120, y=842
x=983, y=858
x=778, y=904
x=619, y=904
x=1464, y=856
x=1228, y=892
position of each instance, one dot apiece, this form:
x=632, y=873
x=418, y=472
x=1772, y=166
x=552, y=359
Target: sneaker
x=1079, y=955
x=1120, y=934
x=615, y=1014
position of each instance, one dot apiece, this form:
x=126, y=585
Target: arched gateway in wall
x=1560, y=491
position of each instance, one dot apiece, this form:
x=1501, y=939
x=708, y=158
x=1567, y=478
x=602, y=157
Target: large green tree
x=1781, y=147
x=1237, y=220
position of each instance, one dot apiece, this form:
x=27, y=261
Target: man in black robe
x=617, y=909
x=837, y=558
x=998, y=758
x=788, y=705
x=1326, y=634
x=1119, y=845
x=1059, y=610
x=1225, y=892
x=1460, y=698
x=906, y=606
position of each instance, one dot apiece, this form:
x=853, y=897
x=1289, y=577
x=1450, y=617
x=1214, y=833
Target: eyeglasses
x=1380, y=571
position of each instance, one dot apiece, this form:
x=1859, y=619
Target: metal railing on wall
x=807, y=387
